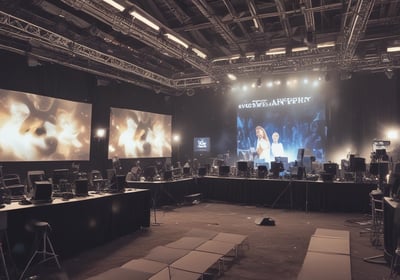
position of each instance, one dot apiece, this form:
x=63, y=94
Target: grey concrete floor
x=275, y=252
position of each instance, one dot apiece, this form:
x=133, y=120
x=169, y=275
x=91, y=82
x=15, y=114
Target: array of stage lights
x=278, y=82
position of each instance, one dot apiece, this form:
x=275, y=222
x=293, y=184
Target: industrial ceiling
x=184, y=46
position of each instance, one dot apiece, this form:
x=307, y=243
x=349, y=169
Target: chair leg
x=3, y=260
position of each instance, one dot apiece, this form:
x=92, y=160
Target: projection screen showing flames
x=40, y=128
x=137, y=134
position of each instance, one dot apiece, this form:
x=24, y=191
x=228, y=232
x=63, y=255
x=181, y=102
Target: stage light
x=231, y=77
x=115, y=5
x=393, y=49
x=177, y=138
x=392, y=134
x=276, y=51
x=270, y=84
x=325, y=45
x=100, y=133
x=145, y=20
x=176, y=40
x=199, y=53
x=305, y=81
x=299, y=49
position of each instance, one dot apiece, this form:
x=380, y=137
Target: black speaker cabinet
x=264, y=221
x=202, y=171
x=224, y=170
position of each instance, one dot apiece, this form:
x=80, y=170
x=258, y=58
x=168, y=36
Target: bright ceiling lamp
x=326, y=45
x=393, y=49
x=115, y=5
x=176, y=40
x=276, y=51
x=231, y=77
x=145, y=20
x=300, y=49
x=199, y=53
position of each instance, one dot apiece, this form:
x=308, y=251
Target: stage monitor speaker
x=224, y=170
x=167, y=175
x=327, y=177
x=81, y=187
x=120, y=183
x=264, y=221
x=262, y=171
x=357, y=164
x=202, y=171
x=42, y=191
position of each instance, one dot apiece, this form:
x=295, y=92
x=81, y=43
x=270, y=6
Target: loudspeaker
x=81, y=187
x=264, y=221
x=202, y=171
x=224, y=170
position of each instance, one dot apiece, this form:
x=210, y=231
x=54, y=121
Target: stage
x=279, y=193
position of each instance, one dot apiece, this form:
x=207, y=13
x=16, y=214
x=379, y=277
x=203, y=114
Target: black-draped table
x=79, y=223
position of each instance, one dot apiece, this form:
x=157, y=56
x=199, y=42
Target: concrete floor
x=275, y=252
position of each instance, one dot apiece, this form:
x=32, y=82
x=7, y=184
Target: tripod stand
x=287, y=188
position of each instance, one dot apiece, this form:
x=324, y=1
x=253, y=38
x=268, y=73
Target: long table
x=284, y=193
x=279, y=193
x=79, y=223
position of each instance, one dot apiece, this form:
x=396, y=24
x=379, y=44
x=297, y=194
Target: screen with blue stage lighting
x=272, y=127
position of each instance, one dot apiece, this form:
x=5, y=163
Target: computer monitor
x=276, y=168
x=60, y=174
x=186, y=171
x=149, y=173
x=331, y=168
x=81, y=187
x=42, y=191
x=224, y=170
x=32, y=177
x=167, y=175
x=120, y=183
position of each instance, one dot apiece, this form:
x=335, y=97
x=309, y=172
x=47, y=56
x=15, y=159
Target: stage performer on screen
x=263, y=146
x=276, y=147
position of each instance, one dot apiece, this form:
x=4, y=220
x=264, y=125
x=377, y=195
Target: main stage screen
x=137, y=134
x=293, y=121
x=40, y=128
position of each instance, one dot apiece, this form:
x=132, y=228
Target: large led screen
x=137, y=134
x=274, y=127
x=40, y=128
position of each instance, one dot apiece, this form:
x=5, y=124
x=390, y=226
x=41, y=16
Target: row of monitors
x=42, y=191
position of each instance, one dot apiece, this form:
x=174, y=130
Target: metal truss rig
x=64, y=44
